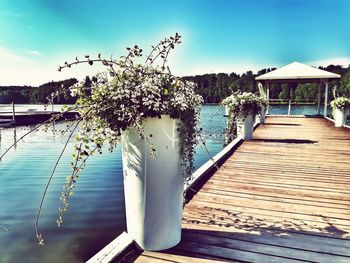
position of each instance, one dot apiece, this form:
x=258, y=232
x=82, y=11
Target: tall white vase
x=245, y=127
x=153, y=187
x=339, y=117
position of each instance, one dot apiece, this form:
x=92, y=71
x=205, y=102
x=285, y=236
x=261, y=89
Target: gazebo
x=299, y=73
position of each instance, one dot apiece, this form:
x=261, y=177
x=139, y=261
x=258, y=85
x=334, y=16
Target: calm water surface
x=297, y=109
x=96, y=215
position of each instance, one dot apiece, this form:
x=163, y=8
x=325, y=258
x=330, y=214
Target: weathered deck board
x=282, y=197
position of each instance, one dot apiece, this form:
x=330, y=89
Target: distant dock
x=30, y=117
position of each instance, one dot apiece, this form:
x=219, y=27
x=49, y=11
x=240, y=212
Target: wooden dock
x=31, y=117
x=282, y=197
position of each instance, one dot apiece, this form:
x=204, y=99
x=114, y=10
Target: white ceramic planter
x=262, y=115
x=339, y=117
x=245, y=127
x=227, y=111
x=153, y=187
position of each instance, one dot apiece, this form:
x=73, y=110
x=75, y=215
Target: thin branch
x=167, y=51
x=89, y=61
x=149, y=57
x=207, y=150
x=38, y=235
x=68, y=187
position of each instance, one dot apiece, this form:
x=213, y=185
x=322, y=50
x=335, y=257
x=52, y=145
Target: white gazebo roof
x=297, y=71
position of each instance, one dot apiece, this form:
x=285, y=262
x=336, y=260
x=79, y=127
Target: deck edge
x=115, y=248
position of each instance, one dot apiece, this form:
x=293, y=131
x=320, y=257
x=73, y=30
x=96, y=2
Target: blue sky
x=36, y=36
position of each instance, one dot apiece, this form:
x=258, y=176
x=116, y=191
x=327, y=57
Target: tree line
x=36, y=95
x=213, y=88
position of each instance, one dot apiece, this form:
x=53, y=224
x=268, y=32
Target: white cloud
x=28, y=70
x=9, y=57
x=34, y=52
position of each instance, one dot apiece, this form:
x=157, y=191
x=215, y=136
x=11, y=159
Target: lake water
x=297, y=109
x=96, y=215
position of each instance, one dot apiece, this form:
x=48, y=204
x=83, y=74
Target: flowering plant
x=240, y=105
x=264, y=102
x=342, y=103
x=122, y=97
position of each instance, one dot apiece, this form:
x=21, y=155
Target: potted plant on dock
x=340, y=106
x=154, y=115
x=243, y=108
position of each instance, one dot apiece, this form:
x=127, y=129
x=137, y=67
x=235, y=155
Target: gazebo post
x=325, y=98
x=268, y=96
x=290, y=101
x=319, y=98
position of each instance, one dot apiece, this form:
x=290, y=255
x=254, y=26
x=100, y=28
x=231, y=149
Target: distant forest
x=36, y=95
x=213, y=88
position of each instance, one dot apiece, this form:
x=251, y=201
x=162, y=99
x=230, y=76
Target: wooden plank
x=292, y=176
x=251, y=222
x=276, y=206
x=291, y=239
x=288, y=183
x=264, y=248
x=150, y=259
x=174, y=256
x=332, y=196
x=275, y=197
x=223, y=253
x=308, y=219
x=288, y=167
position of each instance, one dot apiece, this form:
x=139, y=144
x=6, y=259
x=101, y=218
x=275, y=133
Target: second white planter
x=153, y=187
x=227, y=111
x=245, y=127
x=339, y=117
